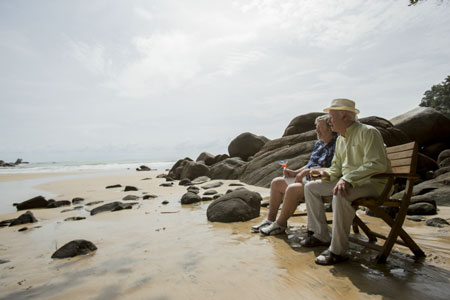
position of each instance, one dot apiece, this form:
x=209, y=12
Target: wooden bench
x=403, y=160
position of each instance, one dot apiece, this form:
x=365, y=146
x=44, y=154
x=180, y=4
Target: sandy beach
x=157, y=251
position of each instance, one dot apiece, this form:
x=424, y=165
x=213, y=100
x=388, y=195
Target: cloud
x=92, y=57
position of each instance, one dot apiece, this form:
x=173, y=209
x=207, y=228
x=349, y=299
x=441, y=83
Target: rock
x=113, y=206
x=229, y=168
x=77, y=200
x=240, y=205
x=436, y=222
x=207, y=158
x=189, y=198
x=216, y=196
x=146, y=197
x=25, y=218
x=74, y=218
x=178, y=167
x=421, y=208
x=75, y=248
x=200, y=180
x=18, y=161
x=433, y=150
x=220, y=157
x=441, y=171
x=165, y=202
x=166, y=184
x=169, y=178
x=235, y=184
x=212, y=185
x=143, y=168
x=3, y=261
x=443, y=156
x=193, y=170
x=302, y=124
x=424, y=125
x=60, y=203
x=130, y=197
x=416, y=218
x=161, y=176
x=246, y=144
x=265, y=166
x=185, y=182
x=146, y=178
x=445, y=163
x=207, y=198
x=130, y=188
x=94, y=203
x=435, y=191
x=210, y=192
x=113, y=186
x=36, y=202
x=23, y=229
x=391, y=136
x=194, y=189
x=5, y=223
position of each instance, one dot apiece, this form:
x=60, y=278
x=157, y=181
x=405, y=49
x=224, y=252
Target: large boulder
x=36, y=202
x=177, y=168
x=207, y=158
x=193, y=170
x=424, y=125
x=391, y=136
x=227, y=169
x=237, y=206
x=263, y=168
x=302, y=123
x=432, y=191
x=246, y=144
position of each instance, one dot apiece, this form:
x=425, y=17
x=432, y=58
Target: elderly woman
x=291, y=186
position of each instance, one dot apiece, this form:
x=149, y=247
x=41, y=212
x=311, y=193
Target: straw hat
x=342, y=104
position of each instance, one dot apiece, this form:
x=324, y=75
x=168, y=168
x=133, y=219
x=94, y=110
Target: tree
x=438, y=97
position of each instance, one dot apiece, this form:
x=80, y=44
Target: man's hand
x=342, y=187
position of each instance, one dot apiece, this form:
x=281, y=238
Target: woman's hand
x=289, y=173
x=301, y=174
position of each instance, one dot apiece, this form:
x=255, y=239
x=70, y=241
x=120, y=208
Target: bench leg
x=396, y=230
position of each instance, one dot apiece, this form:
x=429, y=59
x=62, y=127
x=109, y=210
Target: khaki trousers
x=343, y=212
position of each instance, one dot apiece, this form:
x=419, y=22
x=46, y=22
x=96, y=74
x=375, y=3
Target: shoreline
x=157, y=251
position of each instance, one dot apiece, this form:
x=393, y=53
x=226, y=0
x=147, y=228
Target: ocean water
x=21, y=190
x=45, y=167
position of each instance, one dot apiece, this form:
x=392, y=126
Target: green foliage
x=438, y=97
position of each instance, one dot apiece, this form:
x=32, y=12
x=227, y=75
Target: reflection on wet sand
x=146, y=253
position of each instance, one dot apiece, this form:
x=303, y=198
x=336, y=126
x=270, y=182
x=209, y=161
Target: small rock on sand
x=113, y=186
x=75, y=248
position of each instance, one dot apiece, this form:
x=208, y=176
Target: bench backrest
x=403, y=158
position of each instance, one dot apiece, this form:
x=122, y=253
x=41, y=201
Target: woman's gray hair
x=324, y=118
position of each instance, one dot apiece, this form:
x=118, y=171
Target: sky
x=160, y=80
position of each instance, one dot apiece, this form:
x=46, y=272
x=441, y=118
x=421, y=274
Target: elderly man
x=359, y=154
x=289, y=189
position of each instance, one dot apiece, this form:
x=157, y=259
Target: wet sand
x=157, y=251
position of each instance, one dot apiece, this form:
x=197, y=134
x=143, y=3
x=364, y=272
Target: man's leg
x=343, y=214
x=277, y=188
x=317, y=221
x=293, y=194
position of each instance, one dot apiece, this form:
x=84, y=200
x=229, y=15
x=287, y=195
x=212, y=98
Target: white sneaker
x=273, y=229
x=264, y=223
